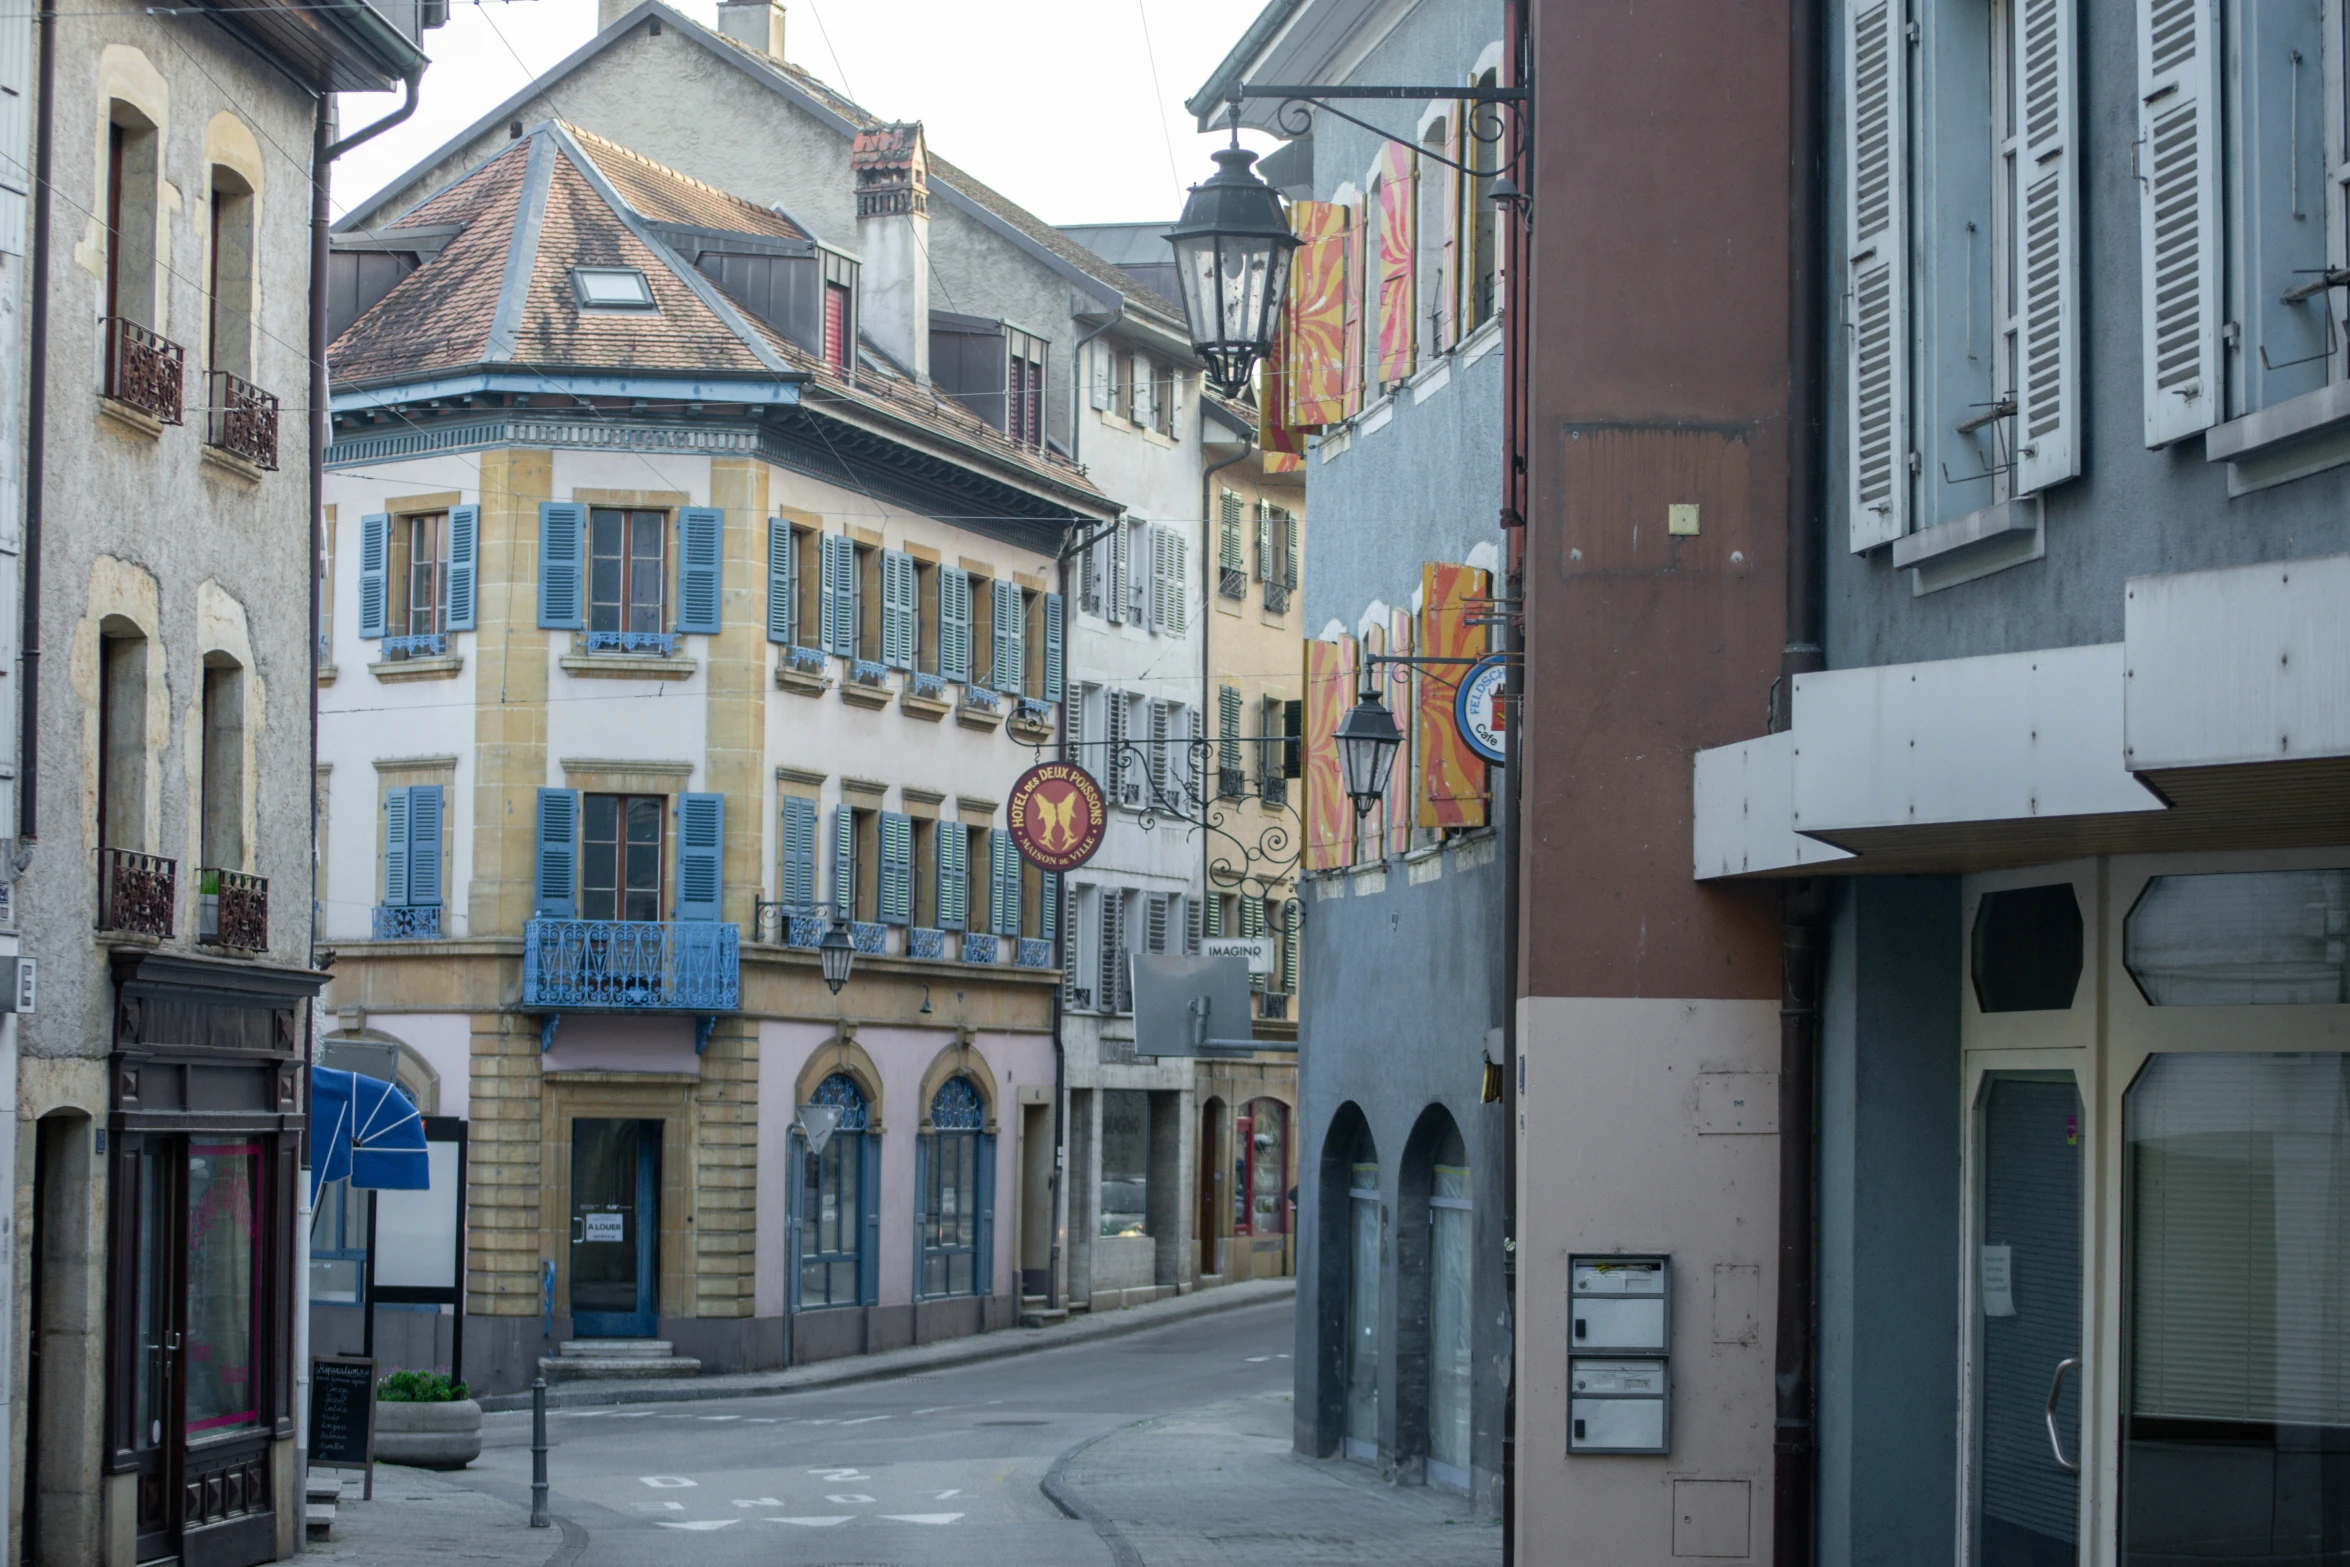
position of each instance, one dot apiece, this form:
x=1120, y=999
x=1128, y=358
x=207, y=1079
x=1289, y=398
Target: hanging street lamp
x=1232, y=249
x=837, y=952
x=1367, y=741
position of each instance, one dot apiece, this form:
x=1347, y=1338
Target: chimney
x=610, y=11
x=755, y=24
x=893, y=234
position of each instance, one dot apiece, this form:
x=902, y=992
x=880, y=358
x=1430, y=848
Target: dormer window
x=611, y=288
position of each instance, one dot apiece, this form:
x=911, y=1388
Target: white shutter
x=2047, y=269
x=2178, y=206
x=1876, y=60
x=1099, y=375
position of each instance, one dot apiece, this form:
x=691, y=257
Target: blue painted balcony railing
x=1028, y=710
x=866, y=674
x=929, y=687
x=868, y=938
x=981, y=699
x=978, y=948
x=1035, y=952
x=632, y=965
x=424, y=644
x=922, y=942
x=661, y=642
x=807, y=660
x=419, y=922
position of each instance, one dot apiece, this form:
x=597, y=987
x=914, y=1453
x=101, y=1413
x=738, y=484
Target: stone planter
x=428, y=1436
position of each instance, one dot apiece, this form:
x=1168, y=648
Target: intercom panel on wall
x=1619, y=1349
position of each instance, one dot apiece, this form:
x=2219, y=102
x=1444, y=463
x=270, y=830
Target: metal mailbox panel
x=1616, y=1425
x=1619, y=1324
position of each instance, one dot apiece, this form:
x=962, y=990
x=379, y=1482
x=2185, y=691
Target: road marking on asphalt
x=721, y=1417
x=1258, y=1360
x=836, y=1476
x=864, y=1420
x=943, y=1495
x=633, y=1414
x=704, y=1525
x=668, y=1482
x=756, y=1501
x=932, y=1410
x=810, y=1523
x=1280, y=1357
x=850, y=1499
x=762, y=1420
x=930, y=1518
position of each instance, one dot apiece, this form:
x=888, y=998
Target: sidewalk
x=420, y=1516
x=1221, y=1486
x=1083, y=1328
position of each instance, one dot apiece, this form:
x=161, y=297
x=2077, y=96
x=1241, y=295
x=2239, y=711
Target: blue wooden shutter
x=561, y=533
x=375, y=551
x=844, y=861
x=983, y=1269
x=424, y=845
x=556, y=876
x=1051, y=901
x=1006, y=651
x=827, y=595
x=395, y=848
x=701, y=841
x=798, y=881
x=954, y=846
x=897, y=868
x=701, y=540
x=869, y=1198
x=1053, y=635
x=897, y=610
x=464, y=565
x=1003, y=883
x=779, y=594
x=840, y=595
x=954, y=623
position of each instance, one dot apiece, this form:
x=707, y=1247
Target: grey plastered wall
x=1401, y=986
x=1889, y=1128
x=2132, y=511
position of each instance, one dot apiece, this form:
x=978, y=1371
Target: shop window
x=952, y=1185
x=620, y=856
x=338, y=1245
x=223, y=1342
x=2242, y=939
x=1126, y=1154
x=834, y=1198
x=2027, y=949
x=2238, y=1378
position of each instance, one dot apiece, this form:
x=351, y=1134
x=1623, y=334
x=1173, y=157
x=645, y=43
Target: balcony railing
x=1033, y=952
x=242, y=420
x=1276, y=598
x=143, y=370
x=807, y=660
x=631, y=965
x=1273, y=1004
x=868, y=674
x=1231, y=783
x=416, y=922
x=136, y=892
x=420, y=644
x=1029, y=710
x=978, y=947
x=661, y=642
x=1232, y=583
x=868, y=939
x=981, y=699
x=923, y=942
x=232, y=909
x=1273, y=789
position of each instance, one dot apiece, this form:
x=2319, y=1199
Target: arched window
x=834, y=1201
x=956, y=1188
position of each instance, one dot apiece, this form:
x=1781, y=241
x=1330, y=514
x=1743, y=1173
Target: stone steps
x=1034, y=1313
x=320, y=1494
x=581, y=1358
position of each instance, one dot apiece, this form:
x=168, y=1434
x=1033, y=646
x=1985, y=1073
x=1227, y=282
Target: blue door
x=615, y=1227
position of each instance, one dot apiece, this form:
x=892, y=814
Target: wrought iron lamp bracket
x=1295, y=116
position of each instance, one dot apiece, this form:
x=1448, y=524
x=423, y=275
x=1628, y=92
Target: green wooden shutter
x=701, y=843
x=897, y=610
x=1178, y=587
x=701, y=538
x=375, y=551
x=897, y=868
x=779, y=594
x=844, y=861
x=797, y=882
x=396, y=863
x=1266, y=564
x=1228, y=728
x=561, y=533
x=424, y=845
x=556, y=875
x=1054, y=636
x=954, y=624
x=1212, y=914
x=1289, y=912
x=464, y=566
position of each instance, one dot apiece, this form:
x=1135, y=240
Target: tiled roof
x=438, y=317
x=663, y=195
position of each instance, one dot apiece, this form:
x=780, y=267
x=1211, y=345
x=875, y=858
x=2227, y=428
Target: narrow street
x=1178, y=1447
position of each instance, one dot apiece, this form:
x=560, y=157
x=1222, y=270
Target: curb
x=947, y=1354
x=1055, y=1486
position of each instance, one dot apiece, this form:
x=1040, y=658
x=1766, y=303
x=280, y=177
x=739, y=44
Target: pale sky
x=1055, y=103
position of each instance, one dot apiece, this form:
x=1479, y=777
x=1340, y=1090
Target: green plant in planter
x=419, y=1387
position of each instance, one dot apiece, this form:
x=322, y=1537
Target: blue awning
x=364, y=1128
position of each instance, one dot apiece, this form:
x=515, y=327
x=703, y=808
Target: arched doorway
x=1214, y=1219
x=1353, y=1211
x=1449, y=1379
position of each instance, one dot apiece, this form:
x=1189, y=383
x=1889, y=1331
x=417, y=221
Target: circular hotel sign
x=1058, y=815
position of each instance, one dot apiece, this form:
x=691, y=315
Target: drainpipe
x=28, y=734
x=1516, y=332
x=324, y=149
x=1802, y=943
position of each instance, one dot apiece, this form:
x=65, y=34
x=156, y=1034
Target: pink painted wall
x=445, y=1040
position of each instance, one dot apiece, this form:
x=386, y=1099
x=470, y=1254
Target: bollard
x=538, y=1453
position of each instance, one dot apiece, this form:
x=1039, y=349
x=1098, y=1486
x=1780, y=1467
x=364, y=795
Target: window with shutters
x=628, y=571
x=1231, y=777
x=1231, y=562
x=808, y=549
x=1078, y=964
x=922, y=869
x=1480, y=300
x=1278, y=567
x=796, y=864
x=417, y=575
x=895, y=898
x=926, y=615
x=1024, y=391
x=413, y=849
x=981, y=619
x=620, y=844
x=866, y=586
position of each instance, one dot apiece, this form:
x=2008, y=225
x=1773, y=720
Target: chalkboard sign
x=342, y=1411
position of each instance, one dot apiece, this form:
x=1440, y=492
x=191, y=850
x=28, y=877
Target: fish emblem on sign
x=1058, y=815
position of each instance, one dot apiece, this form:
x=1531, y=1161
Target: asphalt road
x=937, y=1467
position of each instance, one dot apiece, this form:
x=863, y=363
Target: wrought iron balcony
x=631, y=965
x=1273, y=789
x=232, y=909
x=661, y=642
x=981, y=698
x=1232, y=583
x=978, y=947
x=866, y=673
x=1277, y=598
x=416, y=922
x=1273, y=1004
x=421, y=644
x=928, y=687
x=1028, y=710
x=1033, y=952
x=1231, y=783
x=136, y=892
x=868, y=938
x=143, y=370
x=807, y=660
x=922, y=942
x=241, y=419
